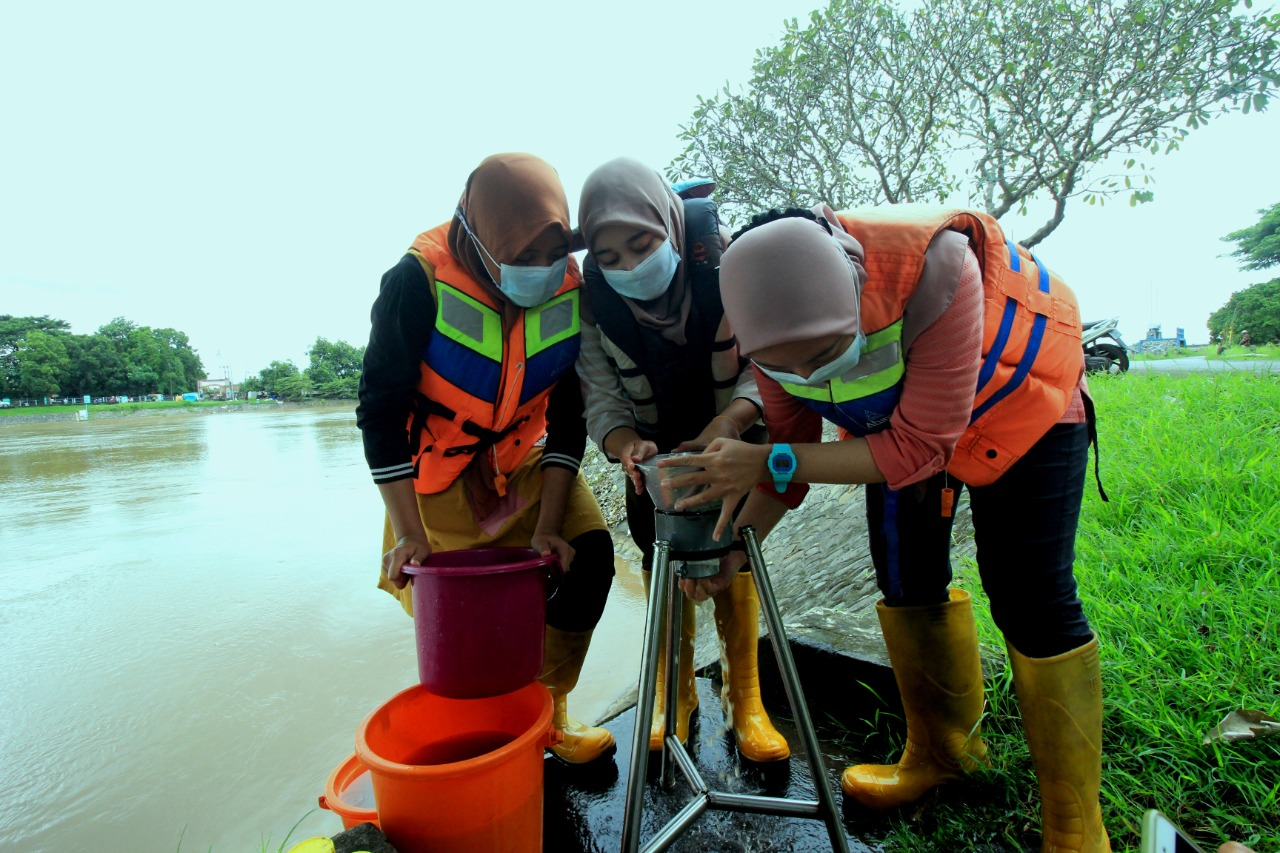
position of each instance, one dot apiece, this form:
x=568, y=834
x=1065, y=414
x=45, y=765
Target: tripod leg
x=674, y=612
x=659, y=592
x=795, y=695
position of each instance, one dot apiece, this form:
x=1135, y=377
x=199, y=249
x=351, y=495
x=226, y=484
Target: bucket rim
x=480, y=561
x=377, y=764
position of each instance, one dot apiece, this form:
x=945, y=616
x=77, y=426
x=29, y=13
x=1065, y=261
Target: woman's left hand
x=730, y=469
x=547, y=544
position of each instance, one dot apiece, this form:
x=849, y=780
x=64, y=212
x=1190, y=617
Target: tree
x=1257, y=307
x=192, y=368
x=1258, y=246
x=43, y=364
x=1015, y=101
x=96, y=366
x=335, y=367
x=296, y=386
x=12, y=331
x=275, y=374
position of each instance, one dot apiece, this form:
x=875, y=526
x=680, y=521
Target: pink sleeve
x=937, y=391
x=790, y=422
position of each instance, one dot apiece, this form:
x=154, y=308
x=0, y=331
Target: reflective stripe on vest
x=1002, y=339
x=552, y=338
x=468, y=349
x=862, y=400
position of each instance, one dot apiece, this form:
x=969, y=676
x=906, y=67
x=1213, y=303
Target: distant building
x=1156, y=343
x=223, y=388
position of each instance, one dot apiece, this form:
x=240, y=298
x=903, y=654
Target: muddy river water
x=190, y=630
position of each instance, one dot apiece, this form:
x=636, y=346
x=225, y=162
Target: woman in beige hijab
x=475, y=333
x=661, y=372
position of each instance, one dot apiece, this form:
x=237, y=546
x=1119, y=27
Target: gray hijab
x=627, y=192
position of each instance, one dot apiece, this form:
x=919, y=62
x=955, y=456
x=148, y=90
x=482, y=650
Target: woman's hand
x=730, y=469
x=700, y=589
x=547, y=544
x=636, y=451
x=721, y=426
x=411, y=550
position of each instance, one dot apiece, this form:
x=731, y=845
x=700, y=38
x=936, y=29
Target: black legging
x=1025, y=529
x=579, y=602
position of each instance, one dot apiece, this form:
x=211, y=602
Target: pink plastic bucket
x=480, y=617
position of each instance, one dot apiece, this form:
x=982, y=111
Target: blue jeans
x=1025, y=530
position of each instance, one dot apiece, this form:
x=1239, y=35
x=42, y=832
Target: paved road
x=1200, y=364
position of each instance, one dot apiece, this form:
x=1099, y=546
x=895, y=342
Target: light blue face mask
x=650, y=278
x=837, y=367
x=525, y=286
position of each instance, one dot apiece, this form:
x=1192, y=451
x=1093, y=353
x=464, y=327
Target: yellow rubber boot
x=738, y=622
x=934, y=652
x=687, y=692
x=565, y=652
x=1061, y=702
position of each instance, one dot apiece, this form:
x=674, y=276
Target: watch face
x=782, y=463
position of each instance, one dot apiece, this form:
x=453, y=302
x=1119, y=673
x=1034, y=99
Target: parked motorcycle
x=1104, y=350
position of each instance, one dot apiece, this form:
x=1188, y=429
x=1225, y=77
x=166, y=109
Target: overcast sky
x=245, y=172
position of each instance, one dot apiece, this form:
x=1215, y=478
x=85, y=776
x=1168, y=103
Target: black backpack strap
x=1091, y=419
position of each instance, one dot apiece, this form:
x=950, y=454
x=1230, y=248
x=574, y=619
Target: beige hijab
x=509, y=200
x=789, y=280
x=627, y=192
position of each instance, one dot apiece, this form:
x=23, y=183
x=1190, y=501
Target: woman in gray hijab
x=661, y=372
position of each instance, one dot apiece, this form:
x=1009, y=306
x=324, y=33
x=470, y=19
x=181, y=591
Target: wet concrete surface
x=584, y=805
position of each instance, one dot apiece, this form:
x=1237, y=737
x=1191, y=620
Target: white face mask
x=837, y=367
x=525, y=286
x=650, y=278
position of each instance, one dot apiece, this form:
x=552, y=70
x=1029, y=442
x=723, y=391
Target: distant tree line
x=333, y=372
x=1256, y=309
x=40, y=357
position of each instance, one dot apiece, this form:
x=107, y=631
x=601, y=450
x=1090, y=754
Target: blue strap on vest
x=1002, y=340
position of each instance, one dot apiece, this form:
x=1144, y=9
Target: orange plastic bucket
x=459, y=775
x=349, y=793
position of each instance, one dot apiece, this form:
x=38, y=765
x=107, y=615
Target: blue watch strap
x=782, y=465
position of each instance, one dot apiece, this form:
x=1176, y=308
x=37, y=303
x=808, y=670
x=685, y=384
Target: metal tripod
x=665, y=593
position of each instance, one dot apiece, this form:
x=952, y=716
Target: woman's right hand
x=634, y=452
x=409, y=549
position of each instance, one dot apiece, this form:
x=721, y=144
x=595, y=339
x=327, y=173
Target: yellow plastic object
x=319, y=844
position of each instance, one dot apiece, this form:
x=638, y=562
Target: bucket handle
x=555, y=577
x=553, y=737
x=324, y=803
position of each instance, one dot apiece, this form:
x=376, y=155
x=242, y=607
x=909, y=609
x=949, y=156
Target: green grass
x=264, y=845
x=1180, y=579
x=1209, y=352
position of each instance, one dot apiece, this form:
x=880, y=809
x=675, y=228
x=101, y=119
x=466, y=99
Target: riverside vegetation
x=1180, y=577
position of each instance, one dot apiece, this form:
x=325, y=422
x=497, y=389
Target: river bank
x=55, y=414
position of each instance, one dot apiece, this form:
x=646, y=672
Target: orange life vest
x=1031, y=350
x=483, y=388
